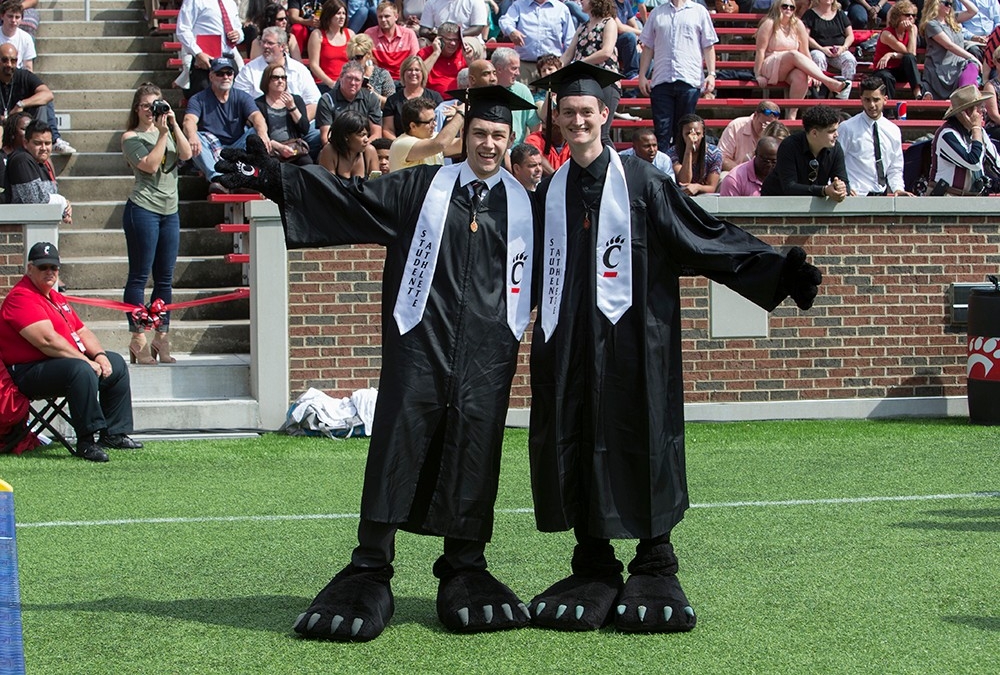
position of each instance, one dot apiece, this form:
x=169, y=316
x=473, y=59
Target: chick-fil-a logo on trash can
x=984, y=358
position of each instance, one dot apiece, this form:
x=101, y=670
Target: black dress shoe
x=119, y=442
x=90, y=451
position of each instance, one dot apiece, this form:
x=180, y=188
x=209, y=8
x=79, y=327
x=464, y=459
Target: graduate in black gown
x=456, y=299
x=607, y=418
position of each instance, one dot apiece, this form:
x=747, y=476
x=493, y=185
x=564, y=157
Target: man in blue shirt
x=221, y=117
x=537, y=28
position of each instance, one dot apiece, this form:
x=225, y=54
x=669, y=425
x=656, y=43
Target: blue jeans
x=359, y=13
x=205, y=161
x=628, y=55
x=670, y=101
x=152, y=242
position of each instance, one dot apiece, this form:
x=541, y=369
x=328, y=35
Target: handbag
x=726, y=6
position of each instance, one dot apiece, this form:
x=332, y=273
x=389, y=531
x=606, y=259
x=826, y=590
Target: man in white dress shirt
x=873, y=169
x=300, y=80
x=205, y=34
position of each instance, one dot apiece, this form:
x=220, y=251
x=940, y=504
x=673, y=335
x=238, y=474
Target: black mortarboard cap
x=492, y=103
x=578, y=79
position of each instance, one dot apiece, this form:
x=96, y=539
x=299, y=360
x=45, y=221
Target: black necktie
x=478, y=194
x=879, y=169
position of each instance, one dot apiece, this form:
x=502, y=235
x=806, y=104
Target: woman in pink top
x=328, y=46
x=783, y=55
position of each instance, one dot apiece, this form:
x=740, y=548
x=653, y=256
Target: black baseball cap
x=43, y=253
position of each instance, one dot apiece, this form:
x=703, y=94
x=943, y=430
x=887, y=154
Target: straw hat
x=965, y=97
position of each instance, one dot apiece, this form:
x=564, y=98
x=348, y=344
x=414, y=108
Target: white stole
x=613, y=250
x=421, y=261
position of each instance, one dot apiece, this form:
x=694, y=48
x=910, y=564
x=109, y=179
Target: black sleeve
x=302, y=126
x=788, y=173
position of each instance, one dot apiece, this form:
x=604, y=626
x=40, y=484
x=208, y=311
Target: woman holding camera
x=153, y=144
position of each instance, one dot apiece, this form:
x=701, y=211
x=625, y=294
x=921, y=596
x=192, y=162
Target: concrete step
x=192, y=378
x=212, y=417
x=110, y=271
x=226, y=310
x=47, y=44
x=53, y=62
x=108, y=216
x=97, y=242
x=118, y=99
x=90, y=163
x=111, y=188
x=94, y=4
x=78, y=28
x=186, y=337
x=100, y=80
x=98, y=14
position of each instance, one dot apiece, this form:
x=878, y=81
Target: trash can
x=983, y=365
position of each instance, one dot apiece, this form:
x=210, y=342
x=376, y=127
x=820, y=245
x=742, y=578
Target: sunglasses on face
x=279, y=77
x=225, y=73
x=47, y=268
x=771, y=113
x=791, y=7
x=947, y=4
x=359, y=57
x=281, y=18
x=813, y=170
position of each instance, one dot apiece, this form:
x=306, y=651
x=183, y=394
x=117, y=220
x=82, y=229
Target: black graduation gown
x=434, y=459
x=607, y=415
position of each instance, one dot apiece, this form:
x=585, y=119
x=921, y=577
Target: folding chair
x=42, y=418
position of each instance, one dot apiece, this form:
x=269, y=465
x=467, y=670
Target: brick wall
x=11, y=255
x=881, y=326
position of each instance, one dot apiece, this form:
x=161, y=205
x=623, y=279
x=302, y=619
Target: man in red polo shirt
x=49, y=353
x=393, y=43
x=444, y=58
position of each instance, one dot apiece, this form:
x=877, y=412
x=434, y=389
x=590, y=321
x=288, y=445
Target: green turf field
x=811, y=547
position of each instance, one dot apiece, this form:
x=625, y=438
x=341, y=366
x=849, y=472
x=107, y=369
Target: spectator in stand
x=393, y=43
x=13, y=140
x=300, y=81
x=482, y=73
x=546, y=65
x=349, y=93
x=348, y=152
x=447, y=55
x=11, y=12
x=868, y=13
x=697, y=163
x=810, y=162
x=277, y=16
x=220, y=117
x=29, y=177
x=830, y=39
x=896, y=50
x=594, y=42
x=629, y=34
x=152, y=144
x=980, y=25
x=554, y=148
x=739, y=139
x=777, y=130
x=471, y=16
x=645, y=146
x=420, y=145
x=22, y=90
x=873, y=147
x=361, y=15
x=409, y=14
x=303, y=15
x=947, y=64
x=413, y=84
x=382, y=147
x=205, y=33
x=286, y=117
x=29, y=21
x=746, y=179
x=991, y=89
x=508, y=67
x=49, y=352
x=327, y=46
x=962, y=154
x=526, y=165
x=537, y=28
x=782, y=56
x=377, y=79
x=677, y=37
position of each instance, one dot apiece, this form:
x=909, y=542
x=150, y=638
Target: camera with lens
x=159, y=107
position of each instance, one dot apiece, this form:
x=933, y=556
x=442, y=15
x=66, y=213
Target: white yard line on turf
x=343, y=516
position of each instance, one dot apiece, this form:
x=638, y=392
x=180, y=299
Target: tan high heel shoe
x=160, y=347
x=138, y=350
